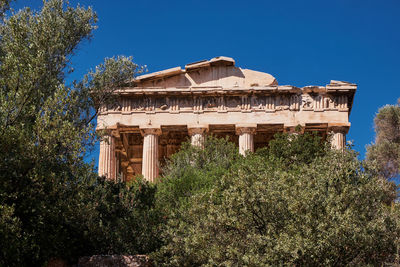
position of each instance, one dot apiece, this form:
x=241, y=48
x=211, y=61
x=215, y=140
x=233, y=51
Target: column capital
x=145, y=130
x=197, y=129
x=245, y=128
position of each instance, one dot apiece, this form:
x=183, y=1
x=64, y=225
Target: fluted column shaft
x=150, y=153
x=197, y=134
x=338, y=140
x=338, y=137
x=246, y=138
x=107, y=160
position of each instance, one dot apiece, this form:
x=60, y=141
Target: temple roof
x=219, y=71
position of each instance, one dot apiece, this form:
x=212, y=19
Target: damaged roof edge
x=162, y=73
x=221, y=60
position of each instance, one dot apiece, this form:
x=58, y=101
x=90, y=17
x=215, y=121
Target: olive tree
x=46, y=128
x=275, y=208
x=384, y=154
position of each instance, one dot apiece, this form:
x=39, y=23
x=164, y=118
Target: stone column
x=107, y=161
x=197, y=134
x=338, y=137
x=150, y=153
x=246, y=137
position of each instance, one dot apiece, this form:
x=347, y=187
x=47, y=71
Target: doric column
x=246, y=137
x=338, y=137
x=150, y=153
x=107, y=159
x=197, y=134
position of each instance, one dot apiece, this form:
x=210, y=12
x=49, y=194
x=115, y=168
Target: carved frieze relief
x=270, y=103
x=232, y=103
x=307, y=102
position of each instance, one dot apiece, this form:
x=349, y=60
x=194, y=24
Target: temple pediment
x=218, y=71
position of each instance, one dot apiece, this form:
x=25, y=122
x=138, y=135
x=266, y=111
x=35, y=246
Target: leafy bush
x=10, y=235
x=193, y=170
x=322, y=209
x=120, y=219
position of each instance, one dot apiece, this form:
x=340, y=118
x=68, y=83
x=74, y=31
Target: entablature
x=218, y=99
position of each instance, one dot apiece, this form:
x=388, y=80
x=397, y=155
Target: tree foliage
x=302, y=148
x=321, y=209
x=52, y=203
x=194, y=170
x=114, y=218
x=384, y=154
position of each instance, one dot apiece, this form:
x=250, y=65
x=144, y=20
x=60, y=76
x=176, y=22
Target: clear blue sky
x=299, y=42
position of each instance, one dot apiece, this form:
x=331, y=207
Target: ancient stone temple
x=165, y=108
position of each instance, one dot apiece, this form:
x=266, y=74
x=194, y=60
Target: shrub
x=322, y=210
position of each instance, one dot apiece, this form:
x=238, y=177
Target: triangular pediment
x=217, y=72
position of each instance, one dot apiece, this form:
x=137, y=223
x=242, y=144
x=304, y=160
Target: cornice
x=218, y=90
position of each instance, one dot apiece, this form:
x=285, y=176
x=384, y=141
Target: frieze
x=243, y=103
x=270, y=104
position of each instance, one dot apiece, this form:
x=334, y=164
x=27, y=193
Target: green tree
x=302, y=148
x=193, y=170
x=321, y=209
x=46, y=128
x=115, y=218
x=384, y=154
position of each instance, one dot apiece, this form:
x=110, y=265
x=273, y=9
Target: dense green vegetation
x=52, y=203
x=385, y=152
x=296, y=202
